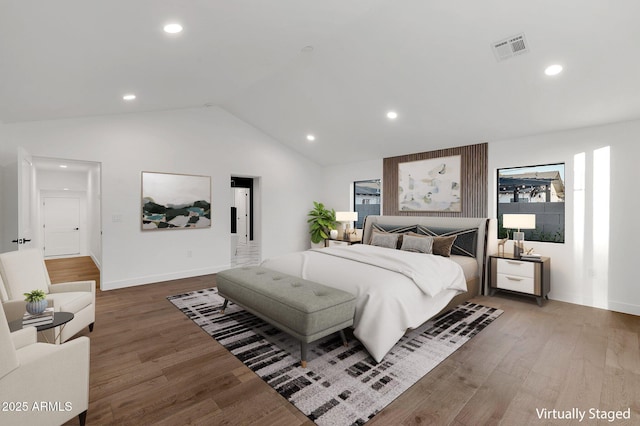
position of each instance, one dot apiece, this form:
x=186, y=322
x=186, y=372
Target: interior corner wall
x=473, y=181
x=594, y=266
x=202, y=141
x=339, y=179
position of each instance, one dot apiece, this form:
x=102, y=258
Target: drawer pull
x=514, y=263
x=514, y=279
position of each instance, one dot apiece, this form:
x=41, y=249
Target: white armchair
x=40, y=383
x=23, y=271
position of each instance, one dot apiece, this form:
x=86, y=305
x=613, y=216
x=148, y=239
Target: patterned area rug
x=341, y=385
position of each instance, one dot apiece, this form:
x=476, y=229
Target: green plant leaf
x=35, y=296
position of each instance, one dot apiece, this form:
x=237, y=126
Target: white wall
x=599, y=272
x=204, y=141
x=595, y=265
x=338, y=182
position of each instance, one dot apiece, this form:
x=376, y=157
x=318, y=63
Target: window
x=535, y=190
x=366, y=199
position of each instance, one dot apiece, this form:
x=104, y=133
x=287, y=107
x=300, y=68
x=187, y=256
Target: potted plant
x=36, y=302
x=321, y=222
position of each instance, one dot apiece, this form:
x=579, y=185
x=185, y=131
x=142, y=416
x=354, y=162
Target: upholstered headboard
x=449, y=224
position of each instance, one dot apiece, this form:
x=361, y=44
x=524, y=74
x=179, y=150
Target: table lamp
x=518, y=221
x=346, y=218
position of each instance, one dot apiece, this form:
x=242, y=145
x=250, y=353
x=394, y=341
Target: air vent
x=510, y=47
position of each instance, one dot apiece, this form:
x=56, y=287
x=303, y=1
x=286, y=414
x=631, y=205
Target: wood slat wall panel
x=474, y=170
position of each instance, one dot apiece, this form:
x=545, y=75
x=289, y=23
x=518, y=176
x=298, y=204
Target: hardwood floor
x=73, y=269
x=151, y=365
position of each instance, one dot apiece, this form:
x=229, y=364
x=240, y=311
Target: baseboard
x=96, y=261
x=611, y=305
x=149, y=279
x=625, y=308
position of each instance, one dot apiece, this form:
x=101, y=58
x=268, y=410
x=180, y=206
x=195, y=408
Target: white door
x=21, y=219
x=242, y=214
x=61, y=226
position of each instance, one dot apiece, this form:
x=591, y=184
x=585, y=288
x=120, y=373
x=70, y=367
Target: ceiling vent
x=510, y=47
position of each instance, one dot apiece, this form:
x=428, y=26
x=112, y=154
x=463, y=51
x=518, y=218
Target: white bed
x=396, y=290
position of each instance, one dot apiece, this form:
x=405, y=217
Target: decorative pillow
x=384, y=239
x=392, y=229
x=465, y=244
x=417, y=243
x=442, y=245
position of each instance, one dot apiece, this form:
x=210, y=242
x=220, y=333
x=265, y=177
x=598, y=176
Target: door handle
x=15, y=241
x=25, y=240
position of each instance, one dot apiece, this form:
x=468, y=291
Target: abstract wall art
x=430, y=185
x=175, y=201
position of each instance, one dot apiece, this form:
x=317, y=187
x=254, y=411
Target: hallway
x=73, y=269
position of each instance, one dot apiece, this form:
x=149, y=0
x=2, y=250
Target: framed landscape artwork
x=430, y=185
x=175, y=201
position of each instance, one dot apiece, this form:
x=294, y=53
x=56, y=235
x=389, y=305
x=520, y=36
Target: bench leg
x=303, y=354
x=224, y=306
x=344, y=338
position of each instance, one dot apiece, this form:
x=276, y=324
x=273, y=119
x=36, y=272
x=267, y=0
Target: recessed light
x=63, y=166
x=65, y=189
x=553, y=69
x=173, y=28
x=311, y=138
x=129, y=97
x=392, y=115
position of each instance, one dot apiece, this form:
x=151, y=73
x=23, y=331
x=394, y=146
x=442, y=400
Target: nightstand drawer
x=516, y=267
x=520, y=275
x=515, y=283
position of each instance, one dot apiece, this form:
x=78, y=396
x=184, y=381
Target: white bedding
x=392, y=287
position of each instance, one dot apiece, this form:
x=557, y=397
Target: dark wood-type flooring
x=150, y=364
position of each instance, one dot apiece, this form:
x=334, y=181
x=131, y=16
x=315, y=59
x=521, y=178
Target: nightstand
x=523, y=276
x=342, y=242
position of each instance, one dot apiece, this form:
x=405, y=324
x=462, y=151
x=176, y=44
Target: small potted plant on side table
x=36, y=301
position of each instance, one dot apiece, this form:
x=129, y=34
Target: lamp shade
x=519, y=221
x=346, y=216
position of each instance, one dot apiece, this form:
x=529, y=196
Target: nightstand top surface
x=351, y=240
x=512, y=257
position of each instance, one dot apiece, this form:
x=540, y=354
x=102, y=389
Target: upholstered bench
x=304, y=309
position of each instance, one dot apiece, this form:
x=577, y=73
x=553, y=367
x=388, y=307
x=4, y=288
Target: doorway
x=245, y=247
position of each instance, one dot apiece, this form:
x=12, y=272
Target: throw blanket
x=430, y=273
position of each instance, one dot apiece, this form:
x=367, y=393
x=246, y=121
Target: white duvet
x=395, y=289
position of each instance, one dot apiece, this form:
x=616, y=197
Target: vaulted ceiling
x=330, y=68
